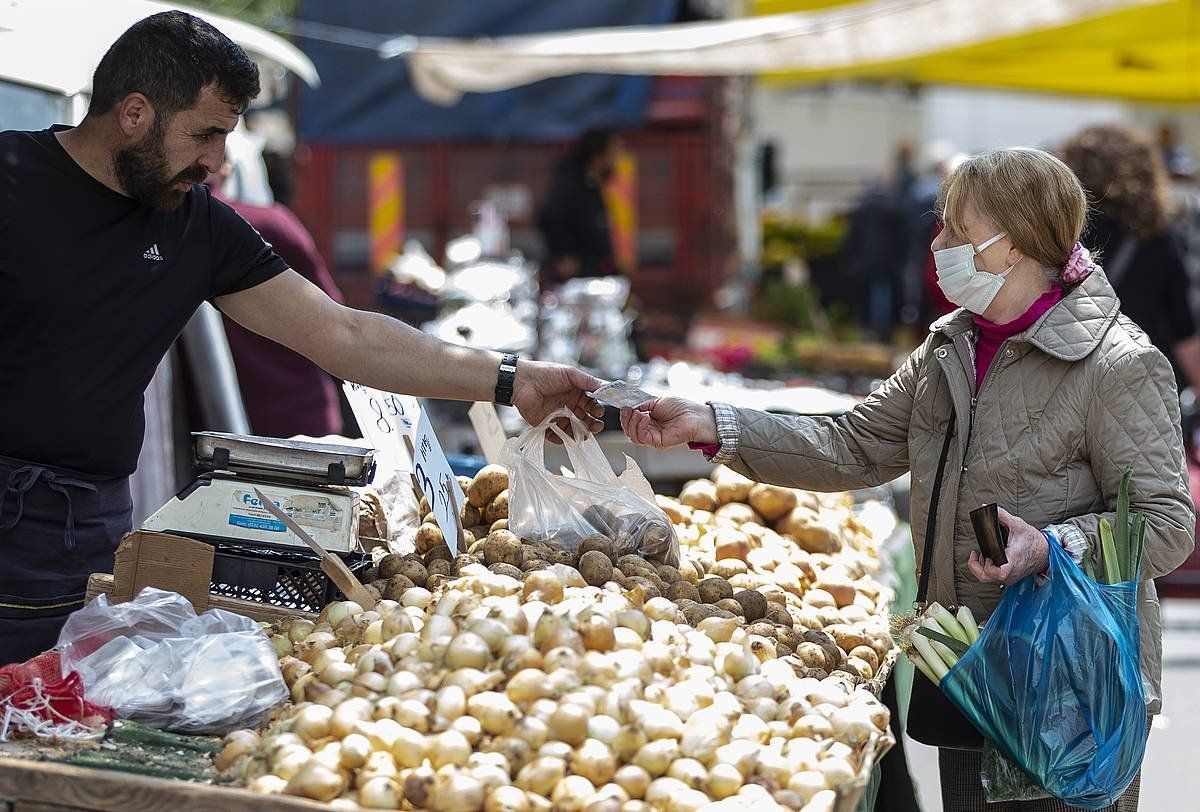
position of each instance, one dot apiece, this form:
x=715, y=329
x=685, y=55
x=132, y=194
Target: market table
x=30, y=785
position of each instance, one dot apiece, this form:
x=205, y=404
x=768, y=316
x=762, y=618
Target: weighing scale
x=310, y=481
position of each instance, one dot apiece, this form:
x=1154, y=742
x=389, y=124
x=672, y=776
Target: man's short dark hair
x=169, y=58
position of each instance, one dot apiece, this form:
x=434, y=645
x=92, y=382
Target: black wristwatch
x=505, y=379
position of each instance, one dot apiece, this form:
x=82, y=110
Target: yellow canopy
x=1147, y=53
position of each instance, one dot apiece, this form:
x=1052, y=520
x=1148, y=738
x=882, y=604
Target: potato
x=599, y=543
x=847, y=637
x=762, y=630
x=778, y=614
x=413, y=569
x=841, y=588
x=499, y=524
x=480, y=531
x=507, y=569
x=731, y=486
x=868, y=655
x=772, y=501
x=713, y=589
x=440, y=566
x=489, y=482
x=602, y=520
x=729, y=568
x=677, y=512
x=819, y=598
x=561, y=557
x=829, y=616
x=497, y=509
x=595, y=567
x=428, y=537
x=811, y=655
x=440, y=551
x=667, y=573
x=397, y=585
x=649, y=589
x=729, y=605
x=810, y=531
x=699, y=494
x=833, y=654
x=731, y=543
x=700, y=611
x=502, y=547
x=754, y=605
x=471, y=515
x=462, y=561
x=681, y=590
x=736, y=513
x=534, y=564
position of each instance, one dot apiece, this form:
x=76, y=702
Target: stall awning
x=56, y=44
x=1128, y=48
x=1145, y=52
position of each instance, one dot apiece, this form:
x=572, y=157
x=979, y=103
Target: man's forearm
x=379, y=351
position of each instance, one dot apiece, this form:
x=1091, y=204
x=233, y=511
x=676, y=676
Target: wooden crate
x=39, y=786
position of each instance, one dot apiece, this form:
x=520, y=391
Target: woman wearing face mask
x=1036, y=395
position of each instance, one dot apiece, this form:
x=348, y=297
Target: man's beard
x=144, y=172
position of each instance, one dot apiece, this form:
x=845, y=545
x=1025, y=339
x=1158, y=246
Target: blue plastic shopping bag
x=1053, y=681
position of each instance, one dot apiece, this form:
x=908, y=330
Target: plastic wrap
x=154, y=660
x=1053, y=681
x=561, y=510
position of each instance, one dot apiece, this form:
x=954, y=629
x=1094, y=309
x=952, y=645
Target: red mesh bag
x=36, y=690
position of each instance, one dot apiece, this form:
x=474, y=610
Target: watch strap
x=505, y=379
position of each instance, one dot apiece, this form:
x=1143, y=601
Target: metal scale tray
x=298, y=461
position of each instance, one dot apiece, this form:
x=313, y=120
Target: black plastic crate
x=292, y=580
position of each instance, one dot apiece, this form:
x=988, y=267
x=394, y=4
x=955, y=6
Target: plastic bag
x=1053, y=681
x=154, y=660
x=1004, y=781
x=561, y=509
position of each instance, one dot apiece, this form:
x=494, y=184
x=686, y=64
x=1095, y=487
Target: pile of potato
x=515, y=676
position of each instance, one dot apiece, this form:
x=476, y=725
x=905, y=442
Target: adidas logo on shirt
x=152, y=253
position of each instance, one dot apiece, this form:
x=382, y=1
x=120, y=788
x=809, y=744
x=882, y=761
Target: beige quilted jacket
x=1065, y=407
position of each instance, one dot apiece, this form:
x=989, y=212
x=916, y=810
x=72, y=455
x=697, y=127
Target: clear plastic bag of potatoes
x=561, y=510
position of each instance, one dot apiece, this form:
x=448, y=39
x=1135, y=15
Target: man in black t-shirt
x=108, y=244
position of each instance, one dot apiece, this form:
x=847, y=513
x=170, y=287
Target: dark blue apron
x=57, y=527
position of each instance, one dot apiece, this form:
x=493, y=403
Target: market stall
x=606, y=648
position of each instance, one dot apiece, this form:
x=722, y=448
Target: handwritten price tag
x=436, y=480
x=384, y=419
x=488, y=429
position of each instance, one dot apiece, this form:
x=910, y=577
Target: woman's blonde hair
x=1030, y=195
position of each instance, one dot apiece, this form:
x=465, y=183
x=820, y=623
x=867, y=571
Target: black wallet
x=990, y=535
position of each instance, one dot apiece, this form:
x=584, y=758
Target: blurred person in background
x=1124, y=175
x=574, y=219
x=878, y=243
x=284, y=393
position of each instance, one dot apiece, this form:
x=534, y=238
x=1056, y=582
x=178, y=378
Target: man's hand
x=541, y=387
x=1028, y=553
x=666, y=422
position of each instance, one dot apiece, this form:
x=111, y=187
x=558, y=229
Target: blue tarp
x=364, y=99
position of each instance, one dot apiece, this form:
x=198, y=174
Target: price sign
x=487, y=427
x=435, y=478
x=384, y=419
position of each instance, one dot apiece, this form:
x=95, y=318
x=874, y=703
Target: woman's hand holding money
x=667, y=422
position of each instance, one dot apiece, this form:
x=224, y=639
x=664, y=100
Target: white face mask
x=963, y=283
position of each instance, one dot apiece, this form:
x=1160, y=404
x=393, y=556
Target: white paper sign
x=384, y=419
x=488, y=429
x=437, y=482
